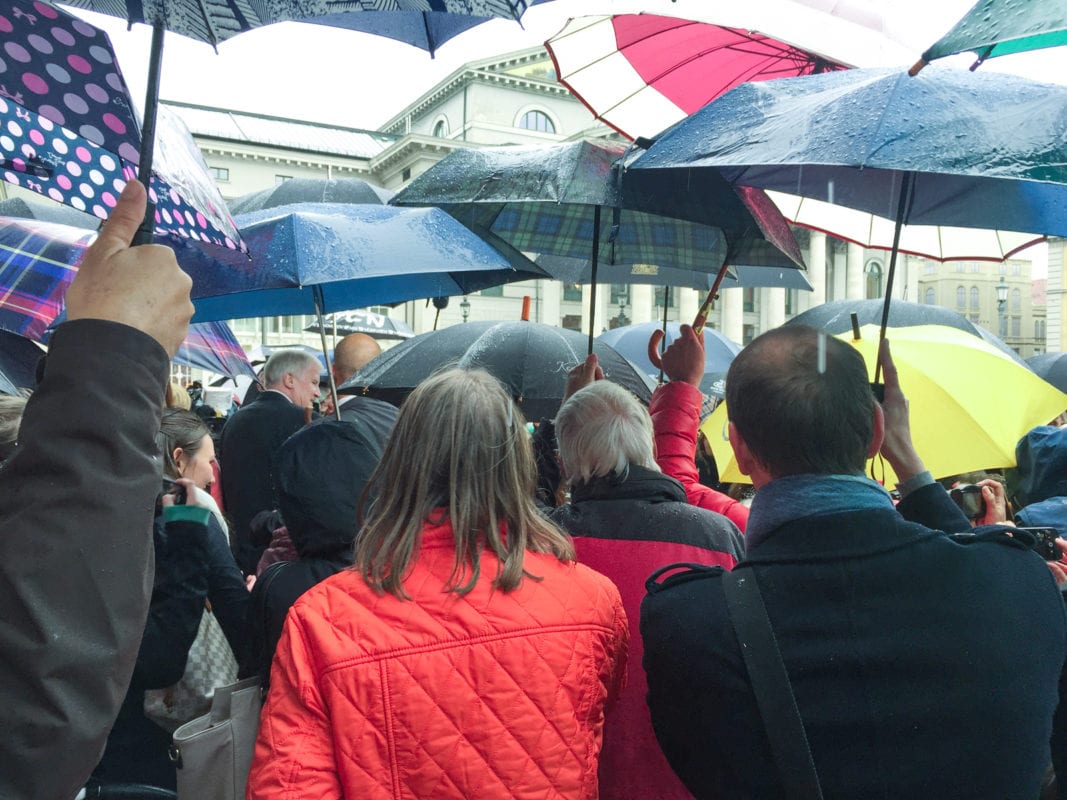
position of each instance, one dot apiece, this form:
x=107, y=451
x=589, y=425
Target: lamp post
x=1002, y=304
x=465, y=308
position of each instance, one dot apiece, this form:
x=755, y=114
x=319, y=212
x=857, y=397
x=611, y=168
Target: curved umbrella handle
x=653, y=348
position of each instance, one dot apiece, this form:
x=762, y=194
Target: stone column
x=551, y=293
x=854, y=277
x=641, y=309
x=733, y=315
x=816, y=269
x=603, y=292
x=773, y=304
x=689, y=301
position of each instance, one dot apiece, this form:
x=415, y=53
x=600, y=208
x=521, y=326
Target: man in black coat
x=251, y=438
x=922, y=666
x=374, y=417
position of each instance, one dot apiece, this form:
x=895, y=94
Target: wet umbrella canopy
x=1052, y=367
x=531, y=359
x=311, y=190
x=212, y=346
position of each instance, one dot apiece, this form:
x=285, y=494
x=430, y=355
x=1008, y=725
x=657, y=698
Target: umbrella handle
x=653, y=348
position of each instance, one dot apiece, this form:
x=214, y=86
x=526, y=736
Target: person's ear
x=177, y=457
x=878, y=435
x=742, y=455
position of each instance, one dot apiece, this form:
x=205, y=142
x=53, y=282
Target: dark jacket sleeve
x=76, y=507
x=178, y=596
x=226, y=589
x=931, y=506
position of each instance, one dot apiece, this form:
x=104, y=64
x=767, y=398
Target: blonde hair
x=460, y=444
x=177, y=397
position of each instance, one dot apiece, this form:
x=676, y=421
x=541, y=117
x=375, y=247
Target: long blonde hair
x=459, y=444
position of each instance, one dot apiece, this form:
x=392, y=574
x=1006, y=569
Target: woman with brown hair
x=465, y=654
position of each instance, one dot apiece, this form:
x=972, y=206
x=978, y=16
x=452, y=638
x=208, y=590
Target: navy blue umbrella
x=631, y=341
x=1052, y=367
x=945, y=148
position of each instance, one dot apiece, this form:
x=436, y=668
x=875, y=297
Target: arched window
x=873, y=271
x=928, y=296
x=961, y=297
x=975, y=304
x=440, y=128
x=537, y=121
x=1016, y=300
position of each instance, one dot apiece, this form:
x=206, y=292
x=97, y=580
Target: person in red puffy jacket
x=465, y=654
x=675, y=410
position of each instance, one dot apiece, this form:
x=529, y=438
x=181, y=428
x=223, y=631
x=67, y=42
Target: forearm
x=76, y=505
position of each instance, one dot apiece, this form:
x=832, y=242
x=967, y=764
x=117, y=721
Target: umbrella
x=27, y=208
x=936, y=242
x=212, y=346
x=311, y=190
x=379, y=326
x=214, y=22
x=322, y=257
x=970, y=404
x=548, y=200
x=1052, y=367
x=641, y=73
x=631, y=341
x=18, y=363
x=70, y=132
x=836, y=317
x=1001, y=27
x=531, y=359
x=922, y=150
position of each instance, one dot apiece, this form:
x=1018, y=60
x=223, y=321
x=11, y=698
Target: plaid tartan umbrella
x=212, y=346
x=549, y=199
x=68, y=130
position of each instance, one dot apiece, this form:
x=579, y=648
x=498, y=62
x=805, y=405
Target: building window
x=931, y=267
x=1016, y=269
x=405, y=174
x=748, y=333
x=493, y=291
x=1016, y=300
x=537, y=121
x=440, y=128
x=791, y=299
x=975, y=267
x=572, y=293
x=619, y=293
x=572, y=322
x=873, y=271
x=975, y=300
x=748, y=300
x=961, y=297
x=928, y=296
x=219, y=173
x=959, y=266
x=1016, y=326
x=280, y=179
x=657, y=297
x=1039, y=329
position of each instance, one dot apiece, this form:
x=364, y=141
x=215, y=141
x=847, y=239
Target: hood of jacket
x=319, y=474
x=1041, y=473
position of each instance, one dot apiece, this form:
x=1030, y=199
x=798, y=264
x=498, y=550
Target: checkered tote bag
x=210, y=664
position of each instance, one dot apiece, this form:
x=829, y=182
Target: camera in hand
x=968, y=496
x=171, y=486
x=1044, y=542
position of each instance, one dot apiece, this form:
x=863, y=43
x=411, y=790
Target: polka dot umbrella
x=68, y=130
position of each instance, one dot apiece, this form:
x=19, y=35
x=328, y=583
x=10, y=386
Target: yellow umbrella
x=970, y=403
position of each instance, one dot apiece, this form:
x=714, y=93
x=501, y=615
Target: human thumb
x=121, y=226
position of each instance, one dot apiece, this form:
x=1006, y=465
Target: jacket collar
x=637, y=483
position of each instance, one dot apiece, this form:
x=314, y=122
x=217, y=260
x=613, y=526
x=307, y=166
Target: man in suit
x=253, y=435
x=375, y=418
x=902, y=644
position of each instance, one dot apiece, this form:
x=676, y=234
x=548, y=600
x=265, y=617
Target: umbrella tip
x=916, y=68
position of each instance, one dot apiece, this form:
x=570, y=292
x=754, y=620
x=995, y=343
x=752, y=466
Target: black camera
x=968, y=497
x=171, y=486
x=1044, y=542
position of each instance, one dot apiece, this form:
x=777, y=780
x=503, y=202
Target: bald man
x=375, y=417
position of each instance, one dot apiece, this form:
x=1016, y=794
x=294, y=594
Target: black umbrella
x=311, y=190
x=531, y=359
x=18, y=363
x=1052, y=367
x=24, y=208
x=836, y=317
x=363, y=321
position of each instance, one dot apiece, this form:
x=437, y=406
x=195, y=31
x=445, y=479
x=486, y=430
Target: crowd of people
x=440, y=605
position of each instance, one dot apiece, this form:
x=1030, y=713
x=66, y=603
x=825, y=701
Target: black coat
x=375, y=417
x=320, y=474
x=249, y=441
x=914, y=659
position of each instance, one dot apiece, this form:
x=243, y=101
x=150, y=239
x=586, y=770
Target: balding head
x=351, y=353
x=802, y=407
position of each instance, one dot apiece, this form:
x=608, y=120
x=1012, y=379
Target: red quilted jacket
x=489, y=695
x=675, y=410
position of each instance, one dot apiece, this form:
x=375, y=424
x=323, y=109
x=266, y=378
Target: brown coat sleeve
x=76, y=506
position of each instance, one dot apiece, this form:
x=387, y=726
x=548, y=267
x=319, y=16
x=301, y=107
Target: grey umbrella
x=311, y=190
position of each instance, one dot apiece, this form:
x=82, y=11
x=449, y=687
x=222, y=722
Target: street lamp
x=1002, y=304
x=465, y=307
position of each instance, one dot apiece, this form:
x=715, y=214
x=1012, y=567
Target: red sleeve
x=675, y=410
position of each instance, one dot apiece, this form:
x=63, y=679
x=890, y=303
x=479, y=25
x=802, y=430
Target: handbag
x=210, y=664
x=770, y=683
x=213, y=753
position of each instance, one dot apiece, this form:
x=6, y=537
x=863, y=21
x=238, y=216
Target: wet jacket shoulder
x=375, y=417
x=76, y=507
x=675, y=411
x=509, y=688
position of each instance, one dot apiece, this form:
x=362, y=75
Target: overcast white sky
x=341, y=77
